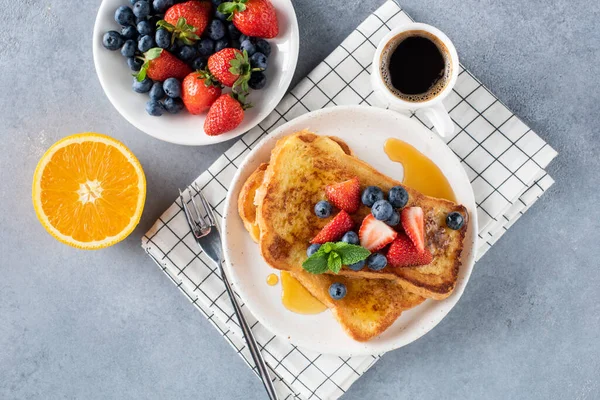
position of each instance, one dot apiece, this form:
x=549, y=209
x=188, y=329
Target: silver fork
x=209, y=239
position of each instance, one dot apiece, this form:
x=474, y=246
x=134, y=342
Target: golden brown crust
x=246, y=207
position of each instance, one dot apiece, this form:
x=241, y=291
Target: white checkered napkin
x=503, y=158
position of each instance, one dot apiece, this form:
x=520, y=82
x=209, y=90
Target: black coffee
x=415, y=66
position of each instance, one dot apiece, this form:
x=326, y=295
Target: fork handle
x=259, y=361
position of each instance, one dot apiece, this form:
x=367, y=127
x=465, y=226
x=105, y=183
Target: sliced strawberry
x=403, y=253
x=414, y=226
x=345, y=195
x=374, y=234
x=334, y=229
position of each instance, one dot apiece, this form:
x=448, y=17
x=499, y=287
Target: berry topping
x=345, y=195
x=370, y=195
x=376, y=262
x=403, y=253
x=335, y=229
x=414, y=226
x=350, y=237
x=374, y=234
x=337, y=291
x=394, y=219
x=398, y=197
x=323, y=209
x=357, y=266
x=455, y=220
x=382, y=210
x=312, y=249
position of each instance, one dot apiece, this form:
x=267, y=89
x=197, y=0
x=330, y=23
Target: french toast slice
x=370, y=306
x=301, y=166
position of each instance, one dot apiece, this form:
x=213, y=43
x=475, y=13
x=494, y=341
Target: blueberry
x=173, y=48
x=312, y=249
x=221, y=16
x=172, y=87
x=350, y=237
x=160, y=6
x=124, y=16
x=263, y=46
x=129, y=32
x=157, y=92
x=323, y=209
x=112, y=40
x=199, y=63
x=143, y=86
x=382, y=210
x=394, y=219
x=154, y=108
x=205, y=47
x=337, y=291
x=376, y=261
x=455, y=220
x=258, y=60
x=249, y=46
x=129, y=48
x=370, y=195
x=144, y=28
x=173, y=106
x=186, y=53
x=244, y=37
x=257, y=80
x=135, y=64
x=216, y=29
x=234, y=32
x=145, y=43
x=141, y=9
x=357, y=266
x=398, y=197
x=217, y=3
x=221, y=44
x=163, y=38
x=132, y=2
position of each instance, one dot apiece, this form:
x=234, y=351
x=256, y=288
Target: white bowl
x=365, y=130
x=184, y=128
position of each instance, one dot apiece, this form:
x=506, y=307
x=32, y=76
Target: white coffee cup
x=433, y=108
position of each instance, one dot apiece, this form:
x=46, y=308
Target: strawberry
x=187, y=21
x=374, y=234
x=345, y=195
x=414, y=226
x=334, y=229
x=252, y=17
x=225, y=114
x=232, y=68
x=159, y=65
x=403, y=253
x=199, y=92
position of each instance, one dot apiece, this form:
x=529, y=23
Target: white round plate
x=365, y=130
x=184, y=128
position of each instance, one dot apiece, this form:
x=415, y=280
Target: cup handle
x=440, y=119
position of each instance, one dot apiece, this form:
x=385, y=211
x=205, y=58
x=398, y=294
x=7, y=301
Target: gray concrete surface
x=109, y=325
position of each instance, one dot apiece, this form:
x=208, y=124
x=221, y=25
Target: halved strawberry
x=345, y=195
x=334, y=229
x=414, y=226
x=403, y=253
x=374, y=234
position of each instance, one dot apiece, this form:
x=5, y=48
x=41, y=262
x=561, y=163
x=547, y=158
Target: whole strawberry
x=199, y=92
x=232, y=68
x=225, y=114
x=160, y=65
x=252, y=17
x=195, y=15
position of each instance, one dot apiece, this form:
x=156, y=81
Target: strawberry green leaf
x=141, y=75
x=165, y=25
x=316, y=264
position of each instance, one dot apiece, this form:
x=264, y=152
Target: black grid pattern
x=504, y=159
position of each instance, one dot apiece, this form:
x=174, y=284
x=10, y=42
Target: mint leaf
x=351, y=253
x=327, y=247
x=334, y=261
x=316, y=264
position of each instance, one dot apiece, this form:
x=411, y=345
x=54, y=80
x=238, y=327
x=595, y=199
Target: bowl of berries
x=195, y=72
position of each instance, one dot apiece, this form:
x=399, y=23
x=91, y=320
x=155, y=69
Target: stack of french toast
x=277, y=206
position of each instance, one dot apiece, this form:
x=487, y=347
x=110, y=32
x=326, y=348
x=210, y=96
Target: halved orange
x=89, y=191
